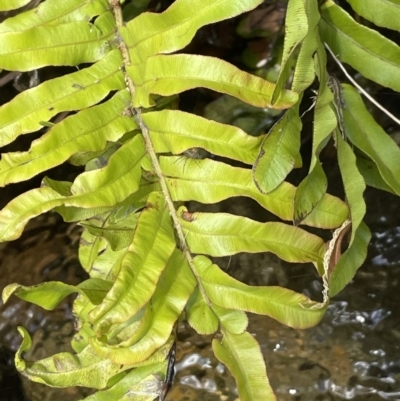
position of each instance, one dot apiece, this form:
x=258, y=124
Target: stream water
x=353, y=354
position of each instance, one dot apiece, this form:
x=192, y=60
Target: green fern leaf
x=278, y=152
x=53, y=13
x=49, y=295
x=141, y=384
x=85, y=369
x=54, y=45
x=175, y=131
x=288, y=307
x=7, y=5
x=200, y=315
x=346, y=268
x=360, y=46
x=312, y=189
x=153, y=228
x=173, y=290
x=232, y=321
x=75, y=91
x=223, y=234
x=369, y=137
x=169, y=75
x=242, y=355
x=354, y=184
x=296, y=28
x=208, y=181
x=380, y=12
x=304, y=72
x=88, y=131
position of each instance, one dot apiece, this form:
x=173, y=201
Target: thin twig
x=363, y=91
x=8, y=77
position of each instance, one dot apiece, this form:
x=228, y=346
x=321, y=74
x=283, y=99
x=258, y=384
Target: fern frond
x=139, y=242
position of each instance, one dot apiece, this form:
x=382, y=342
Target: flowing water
x=353, y=354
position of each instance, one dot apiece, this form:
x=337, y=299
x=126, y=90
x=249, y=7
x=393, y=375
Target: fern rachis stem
x=137, y=115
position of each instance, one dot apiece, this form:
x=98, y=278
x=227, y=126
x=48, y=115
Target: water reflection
x=387, y=246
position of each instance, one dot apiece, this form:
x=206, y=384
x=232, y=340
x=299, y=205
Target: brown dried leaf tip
x=187, y=216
